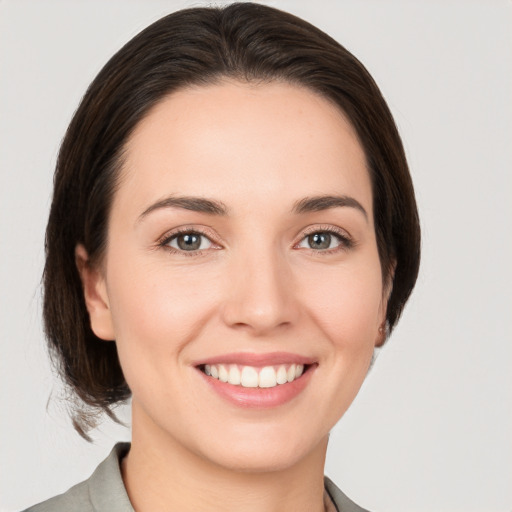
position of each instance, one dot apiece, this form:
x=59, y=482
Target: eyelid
x=164, y=240
x=347, y=241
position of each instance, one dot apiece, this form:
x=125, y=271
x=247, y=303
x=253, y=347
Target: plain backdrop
x=431, y=430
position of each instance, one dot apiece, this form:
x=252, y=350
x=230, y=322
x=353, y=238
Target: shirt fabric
x=104, y=491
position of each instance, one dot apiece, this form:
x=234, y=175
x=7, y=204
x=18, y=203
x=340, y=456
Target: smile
x=254, y=377
x=259, y=381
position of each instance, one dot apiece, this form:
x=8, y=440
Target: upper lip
x=252, y=359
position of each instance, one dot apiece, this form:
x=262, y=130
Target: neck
x=161, y=474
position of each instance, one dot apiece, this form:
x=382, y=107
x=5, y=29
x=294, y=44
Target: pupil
x=189, y=242
x=320, y=240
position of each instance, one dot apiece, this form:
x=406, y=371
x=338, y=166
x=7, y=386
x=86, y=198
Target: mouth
x=247, y=376
x=257, y=381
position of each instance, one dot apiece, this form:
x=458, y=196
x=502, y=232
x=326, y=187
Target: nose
x=260, y=296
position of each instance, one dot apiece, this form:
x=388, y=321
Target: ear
x=95, y=294
x=383, y=328
x=382, y=335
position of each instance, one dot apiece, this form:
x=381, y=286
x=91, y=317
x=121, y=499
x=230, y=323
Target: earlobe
x=383, y=330
x=382, y=335
x=95, y=295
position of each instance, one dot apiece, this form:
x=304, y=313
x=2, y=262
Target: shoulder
x=342, y=501
x=75, y=499
x=103, y=491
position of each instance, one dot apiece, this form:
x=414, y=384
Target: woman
x=233, y=231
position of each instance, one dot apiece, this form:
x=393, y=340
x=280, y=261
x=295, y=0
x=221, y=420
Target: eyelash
x=167, y=239
x=345, y=241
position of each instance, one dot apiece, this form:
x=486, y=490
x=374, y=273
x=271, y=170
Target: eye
x=324, y=240
x=189, y=241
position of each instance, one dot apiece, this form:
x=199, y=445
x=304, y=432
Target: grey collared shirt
x=104, y=491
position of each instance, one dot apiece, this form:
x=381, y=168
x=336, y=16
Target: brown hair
x=245, y=41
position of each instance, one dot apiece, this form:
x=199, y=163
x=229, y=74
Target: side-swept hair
x=243, y=41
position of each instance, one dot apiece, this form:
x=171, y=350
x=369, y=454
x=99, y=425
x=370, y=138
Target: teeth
x=290, y=374
x=268, y=377
x=223, y=373
x=234, y=376
x=251, y=377
x=281, y=375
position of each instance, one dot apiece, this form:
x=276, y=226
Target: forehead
x=239, y=141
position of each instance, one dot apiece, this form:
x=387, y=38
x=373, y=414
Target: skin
x=256, y=287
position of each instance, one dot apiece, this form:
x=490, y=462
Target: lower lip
x=260, y=398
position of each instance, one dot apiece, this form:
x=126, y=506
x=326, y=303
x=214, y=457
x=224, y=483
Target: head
x=187, y=58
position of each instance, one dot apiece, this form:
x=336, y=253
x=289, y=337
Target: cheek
x=346, y=302
x=156, y=313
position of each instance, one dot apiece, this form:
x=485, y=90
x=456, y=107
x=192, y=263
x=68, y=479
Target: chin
x=264, y=452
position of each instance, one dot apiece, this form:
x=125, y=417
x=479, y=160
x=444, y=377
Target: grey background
x=431, y=429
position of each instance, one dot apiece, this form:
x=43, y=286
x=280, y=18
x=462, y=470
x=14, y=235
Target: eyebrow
x=213, y=207
x=326, y=202
x=195, y=204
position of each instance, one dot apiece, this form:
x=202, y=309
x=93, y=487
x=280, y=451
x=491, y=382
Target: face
x=241, y=280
